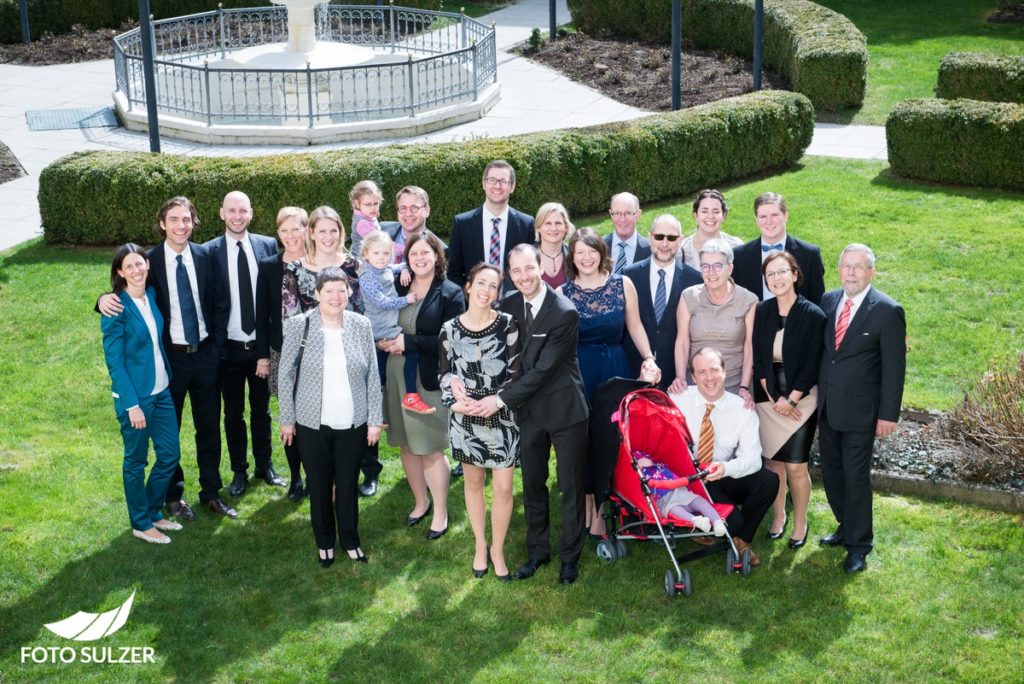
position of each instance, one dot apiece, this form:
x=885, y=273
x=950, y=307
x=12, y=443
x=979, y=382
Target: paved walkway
x=533, y=98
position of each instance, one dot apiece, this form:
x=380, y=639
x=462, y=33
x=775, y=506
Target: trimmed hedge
x=58, y=16
x=981, y=76
x=112, y=197
x=821, y=53
x=964, y=142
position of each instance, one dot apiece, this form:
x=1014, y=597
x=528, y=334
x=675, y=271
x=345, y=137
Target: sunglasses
x=661, y=236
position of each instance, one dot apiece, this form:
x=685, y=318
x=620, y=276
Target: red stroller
x=651, y=424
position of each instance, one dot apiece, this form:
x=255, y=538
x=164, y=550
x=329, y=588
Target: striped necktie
x=844, y=322
x=706, y=447
x=660, y=296
x=620, y=260
x=494, y=255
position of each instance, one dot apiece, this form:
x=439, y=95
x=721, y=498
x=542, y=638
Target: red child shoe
x=414, y=402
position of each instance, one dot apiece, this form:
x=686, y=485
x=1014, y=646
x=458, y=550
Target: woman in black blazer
x=422, y=438
x=788, y=330
x=277, y=300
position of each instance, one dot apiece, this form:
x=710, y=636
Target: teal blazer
x=128, y=350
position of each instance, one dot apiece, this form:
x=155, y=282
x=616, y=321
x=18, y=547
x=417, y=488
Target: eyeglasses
x=410, y=209
x=497, y=182
x=856, y=268
x=661, y=236
x=778, y=274
x=621, y=214
x=717, y=267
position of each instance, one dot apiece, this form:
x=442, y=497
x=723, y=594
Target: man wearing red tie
x=860, y=392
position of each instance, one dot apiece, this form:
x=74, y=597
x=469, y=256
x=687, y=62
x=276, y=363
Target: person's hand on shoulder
x=110, y=305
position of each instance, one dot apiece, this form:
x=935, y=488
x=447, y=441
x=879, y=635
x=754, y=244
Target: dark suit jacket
x=661, y=337
x=268, y=304
x=642, y=251
x=801, y=351
x=747, y=267
x=262, y=247
x=215, y=307
x=467, y=241
x=550, y=391
x=444, y=301
x=862, y=381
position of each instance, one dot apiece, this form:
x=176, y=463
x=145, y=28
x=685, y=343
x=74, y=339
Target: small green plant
x=536, y=38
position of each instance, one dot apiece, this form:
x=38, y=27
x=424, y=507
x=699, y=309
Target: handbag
x=298, y=358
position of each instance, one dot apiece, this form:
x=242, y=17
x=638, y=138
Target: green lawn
x=906, y=41
x=943, y=599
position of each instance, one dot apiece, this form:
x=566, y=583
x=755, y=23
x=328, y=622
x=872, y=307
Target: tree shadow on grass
x=889, y=180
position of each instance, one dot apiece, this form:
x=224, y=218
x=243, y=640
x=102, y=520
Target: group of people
x=492, y=348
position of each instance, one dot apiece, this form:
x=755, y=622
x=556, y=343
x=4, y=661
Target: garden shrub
x=821, y=53
x=58, y=16
x=112, y=197
x=981, y=76
x=964, y=142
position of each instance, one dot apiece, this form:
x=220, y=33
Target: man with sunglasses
x=625, y=244
x=490, y=231
x=660, y=280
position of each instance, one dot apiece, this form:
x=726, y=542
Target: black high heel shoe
x=325, y=561
x=797, y=543
x=480, y=573
x=507, y=577
x=360, y=557
x=778, y=535
x=414, y=520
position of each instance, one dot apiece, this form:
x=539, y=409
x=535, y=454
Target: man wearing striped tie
x=729, y=445
x=859, y=396
x=625, y=245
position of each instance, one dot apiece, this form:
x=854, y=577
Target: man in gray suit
x=625, y=245
x=860, y=392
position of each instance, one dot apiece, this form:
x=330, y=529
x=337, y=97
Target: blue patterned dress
x=602, y=323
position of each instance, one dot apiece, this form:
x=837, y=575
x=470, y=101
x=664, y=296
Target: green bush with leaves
x=964, y=142
x=112, y=197
x=58, y=16
x=821, y=53
x=981, y=76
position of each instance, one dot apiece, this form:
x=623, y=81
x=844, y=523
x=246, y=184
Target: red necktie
x=844, y=322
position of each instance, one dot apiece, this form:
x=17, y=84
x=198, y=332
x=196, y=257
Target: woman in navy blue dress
x=607, y=305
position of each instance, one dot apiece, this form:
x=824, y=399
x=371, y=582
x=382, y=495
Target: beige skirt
x=776, y=429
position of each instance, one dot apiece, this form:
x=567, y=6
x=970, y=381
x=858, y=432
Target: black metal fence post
x=677, y=40
x=553, y=20
x=758, y=40
x=149, y=77
x=26, y=35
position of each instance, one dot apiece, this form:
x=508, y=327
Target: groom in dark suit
x=238, y=253
x=861, y=388
x=659, y=280
x=552, y=410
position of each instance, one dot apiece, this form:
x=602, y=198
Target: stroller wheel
x=670, y=583
x=620, y=549
x=687, y=587
x=745, y=561
x=730, y=561
x=606, y=551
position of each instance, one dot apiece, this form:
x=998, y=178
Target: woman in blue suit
x=139, y=376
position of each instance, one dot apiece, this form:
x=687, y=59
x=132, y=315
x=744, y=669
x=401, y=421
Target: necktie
x=659, y=296
x=706, y=447
x=844, y=322
x=620, y=260
x=245, y=298
x=529, y=318
x=777, y=247
x=187, y=305
x=494, y=256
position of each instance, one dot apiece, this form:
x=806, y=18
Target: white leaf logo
x=89, y=626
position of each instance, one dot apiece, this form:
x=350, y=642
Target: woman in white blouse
x=139, y=378
x=330, y=404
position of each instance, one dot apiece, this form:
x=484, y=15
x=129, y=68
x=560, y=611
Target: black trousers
x=195, y=375
x=238, y=369
x=846, y=474
x=752, y=496
x=331, y=459
x=570, y=468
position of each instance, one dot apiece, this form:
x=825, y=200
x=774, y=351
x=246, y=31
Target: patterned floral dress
x=485, y=361
x=299, y=284
x=602, y=322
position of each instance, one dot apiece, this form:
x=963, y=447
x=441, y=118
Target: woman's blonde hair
x=285, y=213
x=319, y=214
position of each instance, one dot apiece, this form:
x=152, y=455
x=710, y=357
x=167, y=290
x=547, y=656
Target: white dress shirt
x=336, y=394
x=767, y=294
x=488, y=228
x=235, y=331
x=737, y=440
x=162, y=380
x=177, y=328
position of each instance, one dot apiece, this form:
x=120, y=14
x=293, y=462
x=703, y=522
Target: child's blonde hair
x=377, y=237
x=361, y=190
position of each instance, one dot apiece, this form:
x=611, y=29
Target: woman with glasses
x=709, y=212
x=788, y=330
x=720, y=314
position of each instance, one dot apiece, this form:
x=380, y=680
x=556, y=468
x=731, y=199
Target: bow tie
x=777, y=247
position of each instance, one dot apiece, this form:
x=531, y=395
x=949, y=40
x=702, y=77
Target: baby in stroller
x=679, y=502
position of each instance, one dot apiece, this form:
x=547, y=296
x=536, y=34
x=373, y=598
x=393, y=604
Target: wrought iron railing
x=449, y=58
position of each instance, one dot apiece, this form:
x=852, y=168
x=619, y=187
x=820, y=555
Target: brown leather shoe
x=741, y=546
x=704, y=541
x=220, y=508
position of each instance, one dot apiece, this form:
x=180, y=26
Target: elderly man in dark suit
x=185, y=278
x=490, y=231
x=552, y=410
x=772, y=216
x=625, y=244
x=860, y=392
x=659, y=280
x=238, y=253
